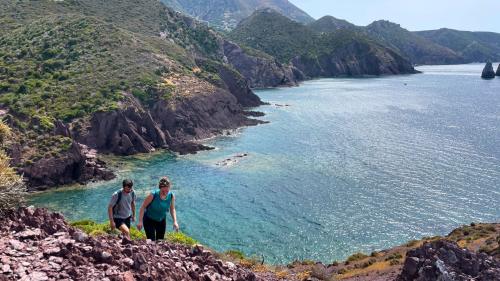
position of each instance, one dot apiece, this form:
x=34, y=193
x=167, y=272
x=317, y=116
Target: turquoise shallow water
x=351, y=165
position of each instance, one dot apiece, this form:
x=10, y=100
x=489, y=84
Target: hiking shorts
x=119, y=222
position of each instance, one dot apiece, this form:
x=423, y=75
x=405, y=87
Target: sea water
x=345, y=165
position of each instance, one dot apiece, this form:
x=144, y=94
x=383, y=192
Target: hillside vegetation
x=62, y=63
x=443, y=46
x=473, y=46
x=342, y=52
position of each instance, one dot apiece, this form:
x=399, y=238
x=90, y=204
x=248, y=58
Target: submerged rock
x=488, y=72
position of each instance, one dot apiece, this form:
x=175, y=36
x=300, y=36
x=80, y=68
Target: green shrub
x=412, y=243
x=356, y=257
x=180, y=238
x=394, y=262
x=394, y=256
x=95, y=229
x=235, y=254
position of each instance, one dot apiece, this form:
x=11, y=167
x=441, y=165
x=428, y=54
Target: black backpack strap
x=117, y=201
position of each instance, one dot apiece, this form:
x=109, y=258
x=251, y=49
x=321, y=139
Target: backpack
x=119, y=192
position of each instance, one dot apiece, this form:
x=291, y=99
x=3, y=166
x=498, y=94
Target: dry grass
x=378, y=266
x=283, y=274
x=4, y=131
x=12, y=188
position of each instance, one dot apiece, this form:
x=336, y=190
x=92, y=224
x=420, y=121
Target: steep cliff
x=340, y=53
x=261, y=70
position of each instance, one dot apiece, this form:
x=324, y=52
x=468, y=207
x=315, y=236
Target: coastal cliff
x=261, y=71
x=310, y=54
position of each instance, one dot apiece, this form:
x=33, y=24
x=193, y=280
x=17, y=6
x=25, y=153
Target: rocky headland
x=312, y=54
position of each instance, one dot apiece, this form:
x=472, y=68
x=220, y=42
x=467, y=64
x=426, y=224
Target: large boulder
x=488, y=72
x=444, y=260
x=498, y=70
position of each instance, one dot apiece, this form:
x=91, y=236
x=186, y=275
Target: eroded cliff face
x=77, y=164
x=195, y=110
x=198, y=110
x=355, y=59
x=261, y=72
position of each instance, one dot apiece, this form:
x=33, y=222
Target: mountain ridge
x=228, y=13
x=343, y=53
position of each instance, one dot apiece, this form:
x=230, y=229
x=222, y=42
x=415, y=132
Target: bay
x=345, y=165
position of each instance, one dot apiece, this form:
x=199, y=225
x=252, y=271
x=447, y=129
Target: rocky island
x=488, y=72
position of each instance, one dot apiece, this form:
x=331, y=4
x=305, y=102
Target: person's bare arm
x=173, y=213
x=132, y=205
x=110, y=215
x=146, y=203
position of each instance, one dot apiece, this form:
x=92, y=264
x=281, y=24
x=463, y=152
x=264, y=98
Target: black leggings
x=155, y=230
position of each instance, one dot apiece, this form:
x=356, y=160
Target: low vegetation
x=97, y=229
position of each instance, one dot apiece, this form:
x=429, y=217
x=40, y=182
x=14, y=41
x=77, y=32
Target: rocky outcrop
x=443, y=260
x=124, y=132
x=259, y=71
x=498, y=70
x=38, y=245
x=76, y=164
x=173, y=124
x=488, y=72
x=199, y=117
x=237, y=85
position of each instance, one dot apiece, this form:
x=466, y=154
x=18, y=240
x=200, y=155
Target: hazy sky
x=474, y=15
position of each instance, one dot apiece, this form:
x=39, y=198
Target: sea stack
x=498, y=70
x=488, y=72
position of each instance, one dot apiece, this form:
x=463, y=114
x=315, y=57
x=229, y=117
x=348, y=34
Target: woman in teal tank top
x=153, y=214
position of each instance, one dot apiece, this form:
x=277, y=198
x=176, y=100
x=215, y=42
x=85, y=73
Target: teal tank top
x=158, y=208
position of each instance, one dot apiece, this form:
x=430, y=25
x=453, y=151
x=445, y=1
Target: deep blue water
x=351, y=165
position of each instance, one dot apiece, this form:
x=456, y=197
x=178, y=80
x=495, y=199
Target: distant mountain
x=473, y=46
x=443, y=46
x=226, y=14
x=418, y=49
x=330, y=24
x=343, y=52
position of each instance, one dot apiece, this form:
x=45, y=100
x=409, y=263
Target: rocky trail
x=38, y=245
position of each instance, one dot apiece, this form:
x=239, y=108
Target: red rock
x=128, y=276
x=16, y=245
